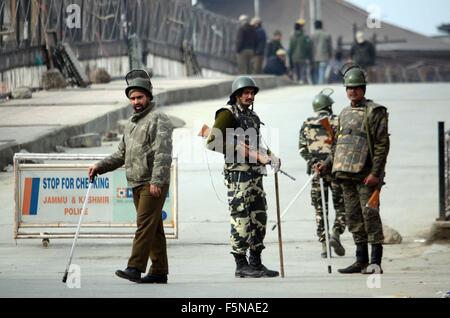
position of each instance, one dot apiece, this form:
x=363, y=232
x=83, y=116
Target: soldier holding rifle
x=236, y=134
x=315, y=142
x=359, y=159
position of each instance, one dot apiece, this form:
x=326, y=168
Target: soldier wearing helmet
x=237, y=124
x=359, y=161
x=315, y=146
x=146, y=153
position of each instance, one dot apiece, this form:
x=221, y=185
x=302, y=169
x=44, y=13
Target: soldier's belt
x=242, y=176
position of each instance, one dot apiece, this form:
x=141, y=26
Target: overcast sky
x=421, y=16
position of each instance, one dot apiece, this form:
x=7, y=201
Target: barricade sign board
x=51, y=195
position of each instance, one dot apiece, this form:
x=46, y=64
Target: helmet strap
x=324, y=111
x=232, y=100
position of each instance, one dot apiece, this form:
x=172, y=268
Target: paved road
x=200, y=263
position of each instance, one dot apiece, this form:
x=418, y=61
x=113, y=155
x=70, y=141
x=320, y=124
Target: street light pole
x=315, y=12
x=302, y=9
x=257, y=8
x=312, y=15
x=318, y=10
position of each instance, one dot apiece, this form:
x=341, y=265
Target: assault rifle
x=246, y=151
x=325, y=122
x=374, y=201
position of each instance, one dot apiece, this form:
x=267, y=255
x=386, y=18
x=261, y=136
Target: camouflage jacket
x=312, y=145
x=232, y=118
x=376, y=154
x=145, y=149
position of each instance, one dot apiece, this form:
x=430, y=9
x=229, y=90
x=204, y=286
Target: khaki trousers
x=245, y=61
x=149, y=240
x=257, y=64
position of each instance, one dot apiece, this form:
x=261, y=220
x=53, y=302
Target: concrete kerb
x=7, y=152
x=439, y=232
x=102, y=124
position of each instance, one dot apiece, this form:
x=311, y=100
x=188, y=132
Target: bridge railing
x=28, y=26
x=444, y=172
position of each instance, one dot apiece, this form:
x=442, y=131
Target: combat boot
x=335, y=243
x=256, y=264
x=362, y=260
x=130, y=273
x=243, y=269
x=153, y=279
x=324, y=250
x=375, y=260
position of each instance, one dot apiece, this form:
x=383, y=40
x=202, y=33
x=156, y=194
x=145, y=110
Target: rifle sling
x=369, y=140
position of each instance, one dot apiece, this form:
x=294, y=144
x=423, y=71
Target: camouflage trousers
x=338, y=202
x=248, y=209
x=364, y=223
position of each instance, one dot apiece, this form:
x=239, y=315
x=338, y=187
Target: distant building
x=402, y=55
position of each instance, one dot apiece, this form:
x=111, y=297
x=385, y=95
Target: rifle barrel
x=288, y=175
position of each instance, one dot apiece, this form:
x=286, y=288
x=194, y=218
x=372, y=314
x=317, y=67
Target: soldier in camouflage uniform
x=315, y=146
x=359, y=160
x=236, y=123
x=146, y=152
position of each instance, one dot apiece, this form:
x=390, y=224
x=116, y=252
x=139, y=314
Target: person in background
x=363, y=53
x=261, y=40
x=300, y=53
x=276, y=65
x=245, y=45
x=322, y=53
x=274, y=45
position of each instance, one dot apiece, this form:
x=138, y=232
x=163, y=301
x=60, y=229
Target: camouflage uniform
x=352, y=163
x=146, y=152
x=145, y=149
x=314, y=148
x=246, y=195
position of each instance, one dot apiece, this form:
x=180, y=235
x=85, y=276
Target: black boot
x=256, y=264
x=362, y=260
x=335, y=243
x=153, y=279
x=129, y=273
x=375, y=260
x=243, y=269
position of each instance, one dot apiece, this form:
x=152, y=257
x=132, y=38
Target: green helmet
x=141, y=84
x=323, y=100
x=355, y=77
x=243, y=82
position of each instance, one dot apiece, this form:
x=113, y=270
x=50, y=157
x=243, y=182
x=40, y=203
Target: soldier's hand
x=155, y=191
x=92, y=172
x=320, y=168
x=371, y=181
x=275, y=163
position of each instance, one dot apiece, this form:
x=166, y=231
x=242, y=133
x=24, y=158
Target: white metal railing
x=49, y=227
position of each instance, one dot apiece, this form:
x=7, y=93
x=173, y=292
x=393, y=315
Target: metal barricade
x=49, y=193
x=447, y=175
